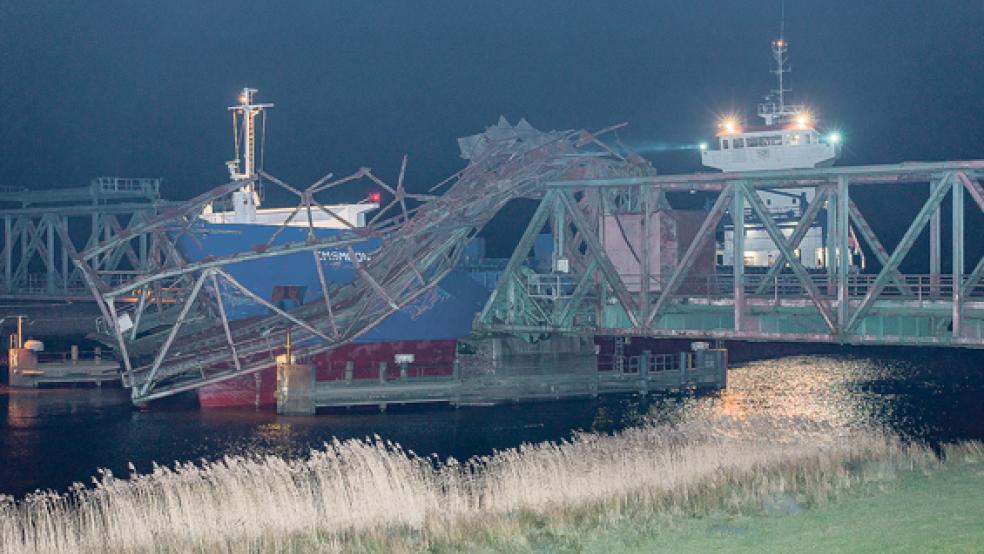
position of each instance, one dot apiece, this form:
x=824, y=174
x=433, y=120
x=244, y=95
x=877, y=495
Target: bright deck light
x=729, y=125
x=702, y=146
x=834, y=138
x=804, y=119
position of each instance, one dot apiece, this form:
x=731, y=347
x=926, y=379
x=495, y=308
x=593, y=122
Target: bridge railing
x=142, y=185
x=786, y=286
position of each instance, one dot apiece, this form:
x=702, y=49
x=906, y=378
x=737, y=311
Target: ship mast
x=779, y=49
x=775, y=110
x=244, y=166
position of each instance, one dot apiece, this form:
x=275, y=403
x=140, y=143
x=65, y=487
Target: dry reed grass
x=372, y=495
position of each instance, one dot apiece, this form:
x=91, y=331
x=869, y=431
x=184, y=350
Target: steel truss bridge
x=182, y=339
x=787, y=302
x=44, y=230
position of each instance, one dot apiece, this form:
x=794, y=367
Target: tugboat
x=788, y=139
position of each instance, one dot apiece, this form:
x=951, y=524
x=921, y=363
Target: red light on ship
x=375, y=197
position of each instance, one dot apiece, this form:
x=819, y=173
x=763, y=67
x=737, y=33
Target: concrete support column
x=382, y=372
x=295, y=389
x=22, y=368
x=644, y=372
x=349, y=371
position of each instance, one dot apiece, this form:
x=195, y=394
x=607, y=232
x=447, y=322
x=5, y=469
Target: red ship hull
x=431, y=357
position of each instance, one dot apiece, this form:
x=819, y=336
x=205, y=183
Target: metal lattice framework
x=44, y=230
x=190, y=341
x=785, y=303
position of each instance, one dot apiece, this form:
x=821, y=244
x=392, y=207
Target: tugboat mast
x=774, y=110
x=779, y=49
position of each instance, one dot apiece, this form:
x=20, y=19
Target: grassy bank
x=714, y=484
x=933, y=509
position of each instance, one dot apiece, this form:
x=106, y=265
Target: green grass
x=935, y=510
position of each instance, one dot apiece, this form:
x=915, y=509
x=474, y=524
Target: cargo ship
x=422, y=336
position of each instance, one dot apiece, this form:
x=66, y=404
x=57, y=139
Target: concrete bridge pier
x=295, y=388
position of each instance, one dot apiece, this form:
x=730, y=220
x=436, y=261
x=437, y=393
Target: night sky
x=141, y=89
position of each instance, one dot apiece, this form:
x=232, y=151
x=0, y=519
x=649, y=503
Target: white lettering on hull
x=342, y=256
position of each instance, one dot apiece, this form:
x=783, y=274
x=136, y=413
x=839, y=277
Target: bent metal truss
x=188, y=341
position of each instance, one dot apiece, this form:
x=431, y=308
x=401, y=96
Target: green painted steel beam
x=802, y=228
x=540, y=217
x=780, y=241
x=598, y=253
x=690, y=256
x=908, y=239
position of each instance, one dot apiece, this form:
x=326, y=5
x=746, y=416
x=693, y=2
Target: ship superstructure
x=244, y=204
x=789, y=138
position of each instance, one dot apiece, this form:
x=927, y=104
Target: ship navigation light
x=702, y=146
x=834, y=138
x=375, y=197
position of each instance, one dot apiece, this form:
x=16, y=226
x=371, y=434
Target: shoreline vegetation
x=727, y=482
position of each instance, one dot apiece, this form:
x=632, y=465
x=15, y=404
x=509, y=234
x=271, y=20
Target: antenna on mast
x=775, y=108
x=782, y=19
x=779, y=54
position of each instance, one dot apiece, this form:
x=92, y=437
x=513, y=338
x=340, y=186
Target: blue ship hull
x=445, y=312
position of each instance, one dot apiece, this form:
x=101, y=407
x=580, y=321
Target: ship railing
x=96, y=354
x=143, y=185
x=375, y=371
x=634, y=364
x=775, y=109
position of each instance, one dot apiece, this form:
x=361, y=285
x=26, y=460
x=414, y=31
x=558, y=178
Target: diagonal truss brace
x=598, y=253
x=705, y=232
x=802, y=228
x=908, y=239
x=876, y=246
x=780, y=240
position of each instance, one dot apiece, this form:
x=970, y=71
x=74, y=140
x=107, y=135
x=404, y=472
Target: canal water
x=53, y=437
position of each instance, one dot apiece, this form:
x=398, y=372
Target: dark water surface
x=51, y=438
